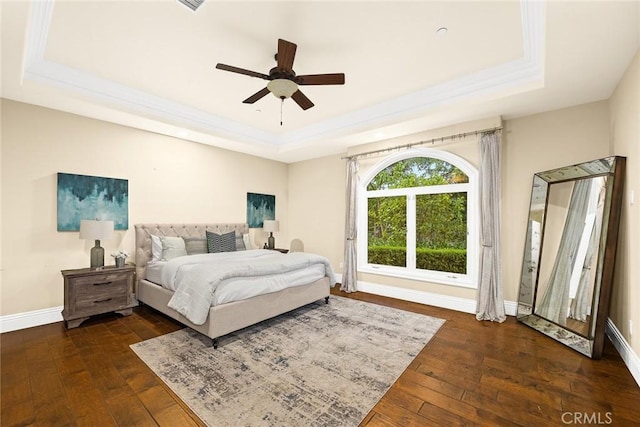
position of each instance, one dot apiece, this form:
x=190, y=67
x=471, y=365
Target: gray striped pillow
x=221, y=242
x=195, y=245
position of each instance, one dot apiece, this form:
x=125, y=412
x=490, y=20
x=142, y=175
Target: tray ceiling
x=150, y=64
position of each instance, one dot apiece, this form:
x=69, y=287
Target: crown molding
x=507, y=78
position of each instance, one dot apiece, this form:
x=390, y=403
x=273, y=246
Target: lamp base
x=271, y=241
x=97, y=256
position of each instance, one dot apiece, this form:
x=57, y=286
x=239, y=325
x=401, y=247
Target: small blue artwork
x=92, y=197
x=259, y=208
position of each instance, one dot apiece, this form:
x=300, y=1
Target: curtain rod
x=428, y=141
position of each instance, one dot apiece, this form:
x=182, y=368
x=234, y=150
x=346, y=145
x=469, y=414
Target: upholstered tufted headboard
x=144, y=232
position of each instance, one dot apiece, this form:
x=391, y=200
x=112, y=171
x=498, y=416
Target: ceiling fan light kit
x=282, y=88
x=283, y=81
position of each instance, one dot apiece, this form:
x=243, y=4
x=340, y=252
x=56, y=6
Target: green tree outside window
x=440, y=215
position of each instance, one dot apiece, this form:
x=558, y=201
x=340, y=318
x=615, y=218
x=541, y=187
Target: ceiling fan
x=283, y=81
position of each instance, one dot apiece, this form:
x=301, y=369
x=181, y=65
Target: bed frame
x=225, y=318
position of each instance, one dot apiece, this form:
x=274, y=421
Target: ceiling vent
x=192, y=4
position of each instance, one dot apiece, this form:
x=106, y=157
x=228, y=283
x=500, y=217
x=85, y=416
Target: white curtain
x=350, y=271
x=580, y=309
x=489, y=299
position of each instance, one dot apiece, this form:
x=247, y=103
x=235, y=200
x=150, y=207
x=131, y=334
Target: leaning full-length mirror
x=569, y=254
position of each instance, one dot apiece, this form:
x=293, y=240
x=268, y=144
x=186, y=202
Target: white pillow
x=172, y=247
x=247, y=241
x=156, y=248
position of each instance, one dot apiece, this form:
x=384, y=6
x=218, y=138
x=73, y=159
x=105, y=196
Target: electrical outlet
x=341, y=265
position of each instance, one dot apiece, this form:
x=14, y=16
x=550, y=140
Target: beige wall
x=316, y=206
x=530, y=144
x=1, y=261
x=170, y=180
x=625, y=141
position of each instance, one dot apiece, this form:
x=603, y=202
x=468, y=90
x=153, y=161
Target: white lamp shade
x=282, y=88
x=96, y=230
x=271, y=225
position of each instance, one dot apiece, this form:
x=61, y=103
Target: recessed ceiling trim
x=532, y=15
x=38, y=32
x=137, y=101
x=511, y=77
x=517, y=75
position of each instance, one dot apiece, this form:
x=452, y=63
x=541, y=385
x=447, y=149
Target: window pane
x=387, y=231
x=441, y=232
x=417, y=172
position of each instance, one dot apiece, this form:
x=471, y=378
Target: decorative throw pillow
x=156, y=248
x=221, y=242
x=172, y=247
x=240, y=243
x=247, y=241
x=195, y=245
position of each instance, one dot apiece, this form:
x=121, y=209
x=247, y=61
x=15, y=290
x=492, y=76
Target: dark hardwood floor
x=470, y=373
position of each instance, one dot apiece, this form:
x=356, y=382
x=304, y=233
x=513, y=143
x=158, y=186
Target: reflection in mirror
x=572, y=234
x=570, y=252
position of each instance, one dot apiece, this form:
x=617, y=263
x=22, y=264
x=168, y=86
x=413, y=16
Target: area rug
x=320, y=365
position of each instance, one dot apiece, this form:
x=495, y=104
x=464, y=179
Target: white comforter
x=196, y=278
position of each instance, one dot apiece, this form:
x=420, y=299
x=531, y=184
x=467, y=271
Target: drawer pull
x=102, y=300
x=101, y=283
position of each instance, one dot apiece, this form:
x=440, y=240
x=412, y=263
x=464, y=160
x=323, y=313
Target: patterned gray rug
x=321, y=365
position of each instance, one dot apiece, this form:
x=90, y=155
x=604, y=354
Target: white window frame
x=468, y=280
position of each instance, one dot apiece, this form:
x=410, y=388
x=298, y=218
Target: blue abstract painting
x=259, y=208
x=92, y=197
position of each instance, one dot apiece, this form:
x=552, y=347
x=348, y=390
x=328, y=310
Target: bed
x=224, y=318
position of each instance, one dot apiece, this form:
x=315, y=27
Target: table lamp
x=96, y=230
x=271, y=226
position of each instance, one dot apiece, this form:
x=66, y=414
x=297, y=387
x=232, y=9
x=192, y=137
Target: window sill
x=462, y=281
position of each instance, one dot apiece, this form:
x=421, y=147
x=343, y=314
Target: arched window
x=418, y=218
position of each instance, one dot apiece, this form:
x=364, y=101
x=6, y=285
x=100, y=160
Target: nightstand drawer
x=90, y=288
x=102, y=279
x=101, y=304
x=101, y=296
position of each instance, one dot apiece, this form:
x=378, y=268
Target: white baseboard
x=630, y=358
x=511, y=308
x=464, y=305
x=444, y=301
x=13, y=322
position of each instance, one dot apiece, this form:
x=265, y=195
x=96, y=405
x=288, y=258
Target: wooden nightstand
x=88, y=292
x=284, y=251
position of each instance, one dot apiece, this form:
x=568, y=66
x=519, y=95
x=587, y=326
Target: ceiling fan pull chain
x=281, y=105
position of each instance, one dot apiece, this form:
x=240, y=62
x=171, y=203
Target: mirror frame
x=593, y=344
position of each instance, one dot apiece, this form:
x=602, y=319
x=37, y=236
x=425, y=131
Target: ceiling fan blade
x=249, y=73
x=286, y=54
x=256, y=96
x=300, y=98
x=321, y=79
